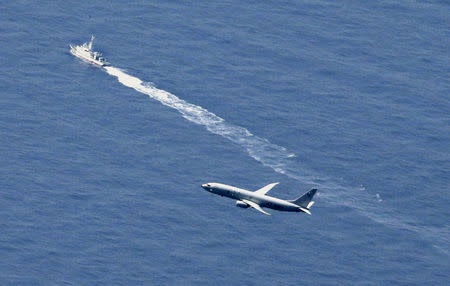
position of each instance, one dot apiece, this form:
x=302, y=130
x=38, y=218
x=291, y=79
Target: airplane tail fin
x=306, y=201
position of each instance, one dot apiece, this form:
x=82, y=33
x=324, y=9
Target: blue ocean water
x=101, y=169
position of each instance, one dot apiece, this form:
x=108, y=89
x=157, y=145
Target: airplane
x=258, y=199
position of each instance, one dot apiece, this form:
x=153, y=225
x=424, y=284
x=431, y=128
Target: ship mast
x=91, y=42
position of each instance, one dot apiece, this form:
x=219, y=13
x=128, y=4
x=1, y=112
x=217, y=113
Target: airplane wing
x=255, y=206
x=266, y=189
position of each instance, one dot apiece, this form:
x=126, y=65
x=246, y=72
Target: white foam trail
x=360, y=201
x=278, y=158
x=258, y=148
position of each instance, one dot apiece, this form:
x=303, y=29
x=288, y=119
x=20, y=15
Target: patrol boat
x=85, y=53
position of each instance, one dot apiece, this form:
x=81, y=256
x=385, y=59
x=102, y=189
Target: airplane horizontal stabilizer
x=305, y=210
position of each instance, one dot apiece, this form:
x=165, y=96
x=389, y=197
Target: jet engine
x=241, y=204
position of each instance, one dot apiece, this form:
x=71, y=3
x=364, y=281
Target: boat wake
x=271, y=155
x=260, y=149
x=281, y=160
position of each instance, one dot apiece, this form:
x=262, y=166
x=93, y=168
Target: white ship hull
x=87, y=58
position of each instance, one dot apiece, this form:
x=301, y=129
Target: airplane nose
x=206, y=186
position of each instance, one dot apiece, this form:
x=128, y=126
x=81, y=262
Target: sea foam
x=260, y=149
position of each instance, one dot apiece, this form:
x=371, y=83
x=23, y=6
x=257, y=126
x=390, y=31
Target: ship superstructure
x=85, y=53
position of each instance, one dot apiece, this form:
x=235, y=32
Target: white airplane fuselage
x=261, y=199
